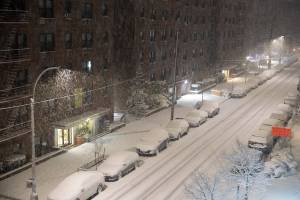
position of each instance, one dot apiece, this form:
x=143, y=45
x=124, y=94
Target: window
x=21, y=78
x=164, y=35
x=87, y=40
x=47, y=42
x=195, y=36
x=163, y=74
x=153, y=14
x=142, y=14
x=152, y=56
x=105, y=37
x=105, y=64
x=87, y=11
x=152, y=77
x=104, y=8
x=46, y=8
x=142, y=36
x=87, y=66
x=163, y=55
x=87, y=97
x=152, y=35
x=68, y=40
x=21, y=41
x=67, y=8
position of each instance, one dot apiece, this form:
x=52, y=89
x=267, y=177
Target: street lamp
x=174, y=79
x=34, y=195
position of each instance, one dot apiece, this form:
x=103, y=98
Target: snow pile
x=282, y=162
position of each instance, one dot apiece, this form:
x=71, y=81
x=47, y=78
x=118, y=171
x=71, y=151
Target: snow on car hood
x=173, y=130
x=146, y=146
x=110, y=169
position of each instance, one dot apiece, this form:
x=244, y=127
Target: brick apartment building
x=107, y=40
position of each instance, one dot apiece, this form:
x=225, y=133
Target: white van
x=261, y=140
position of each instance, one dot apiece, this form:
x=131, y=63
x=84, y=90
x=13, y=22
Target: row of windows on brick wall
x=47, y=9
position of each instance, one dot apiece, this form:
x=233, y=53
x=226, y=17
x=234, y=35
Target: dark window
x=87, y=40
x=67, y=8
x=46, y=8
x=152, y=35
x=163, y=55
x=195, y=36
x=105, y=37
x=153, y=14
x=152, y=56
x=105, y=64
x=164, y=35
x=152, y=77
x=87, y=97
x=104, y=8
x=21, y=78
x=142, y=14
x=13, y=5
x=87, y=11
x=21, y=41
x=47, y=42
x=87, y=66
x=68, y=40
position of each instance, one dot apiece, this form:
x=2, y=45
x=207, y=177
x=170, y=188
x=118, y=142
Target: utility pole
x=174, y=79
x=32, y=182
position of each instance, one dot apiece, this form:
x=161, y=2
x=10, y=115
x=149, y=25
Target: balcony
x=14, y=16
x=15, y=131
x=18, y=92
x=14, y=55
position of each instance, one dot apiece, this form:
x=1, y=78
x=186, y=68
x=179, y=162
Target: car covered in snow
x=79, y=185
x=280, y=116
x=212, y=108
x=177, y=128
x=261, y=140
x=285, y=108
x=269, y=123
x=153, y=143
x=198, y=105
x=238, y=92
x=118, y=165
x=196, y=117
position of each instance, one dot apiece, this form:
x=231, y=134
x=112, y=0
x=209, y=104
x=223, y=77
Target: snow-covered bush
x=202, y=187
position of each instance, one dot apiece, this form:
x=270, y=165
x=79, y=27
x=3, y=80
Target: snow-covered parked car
x=285, y=108
x=238, y=92
x=79, y=185
x=268, y=123
x=291, y=100
x=261, y=140
x=153, y=143
x=177, y=128
x=280, y=116
x=212, y=108
x=196, y=117
x=118, y=165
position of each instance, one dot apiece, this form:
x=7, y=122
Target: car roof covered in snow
x=72, y=185
x=272, y=122
x=279, y=116
x=284, y=107
x=121, y=157
x=176, y=123
x=156, y=134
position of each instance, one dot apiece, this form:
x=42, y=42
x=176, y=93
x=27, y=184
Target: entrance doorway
x=64, y=137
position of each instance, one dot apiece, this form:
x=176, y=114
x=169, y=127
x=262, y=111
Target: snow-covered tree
x=202, y=187
x=244, y=169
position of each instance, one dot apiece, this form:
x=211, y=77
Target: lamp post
x=34, y=195
x=174, y=80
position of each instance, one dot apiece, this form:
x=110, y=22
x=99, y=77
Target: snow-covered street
x=163, y=176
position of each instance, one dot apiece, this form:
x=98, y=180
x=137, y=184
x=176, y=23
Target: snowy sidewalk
x=54, y=170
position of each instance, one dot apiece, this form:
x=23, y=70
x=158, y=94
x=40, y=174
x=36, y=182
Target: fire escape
x=14, y=63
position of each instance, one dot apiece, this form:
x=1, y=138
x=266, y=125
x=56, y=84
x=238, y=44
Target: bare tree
x=202, y=187
x=245, y=171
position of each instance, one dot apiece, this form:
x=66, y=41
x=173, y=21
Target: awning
x=74, y=120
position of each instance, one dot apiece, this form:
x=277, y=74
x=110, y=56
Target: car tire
x=178, y=136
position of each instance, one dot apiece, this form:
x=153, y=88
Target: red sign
x=281, y=132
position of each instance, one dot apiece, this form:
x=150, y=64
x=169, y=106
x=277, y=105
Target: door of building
x=64, y=137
